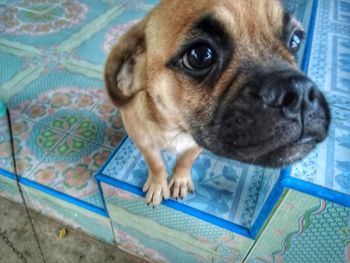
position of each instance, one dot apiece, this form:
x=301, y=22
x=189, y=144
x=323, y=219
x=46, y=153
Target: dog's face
x=225, y=71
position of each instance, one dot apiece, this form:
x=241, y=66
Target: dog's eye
x=295, y=41
x=199, y=57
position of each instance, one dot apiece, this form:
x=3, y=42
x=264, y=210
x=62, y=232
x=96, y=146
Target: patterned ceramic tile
x=170, y=234
x=48, y=23
x=95, y=49
x=341, y=11
x=9, y=189
x=6, y=154
x=10, y=65
x=326, y=233
x=56, y=90
x=70, y=168
x=224, y=188
x=113, y=129
x=304, y=229
x=59, y=119
x=32, y=142
x=329, y=165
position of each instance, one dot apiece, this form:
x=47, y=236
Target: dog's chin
x=283, y=156
x=276, y=157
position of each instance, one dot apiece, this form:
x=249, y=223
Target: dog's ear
x=123, y=67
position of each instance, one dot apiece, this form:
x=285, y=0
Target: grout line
x=31, y=171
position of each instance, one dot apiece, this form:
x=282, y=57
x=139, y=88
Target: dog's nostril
x=239, y=121
x=290, y=99
x=312, y=96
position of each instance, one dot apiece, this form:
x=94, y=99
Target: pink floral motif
x=5, y=149
x=47, y=175
x=101, y=157
x=19, y=127
x=279, y=232
x=106, y=107
x=133, y=245
x=116, y=121
x=41, y=17
x=114, y=137
x=59, y=100
x=36, y=111
x=114, y=33
x=77, y=177
x=23, y=165
x=85, y=101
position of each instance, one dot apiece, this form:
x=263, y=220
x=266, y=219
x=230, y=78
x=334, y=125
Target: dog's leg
x=156, y=185
x=181, y=181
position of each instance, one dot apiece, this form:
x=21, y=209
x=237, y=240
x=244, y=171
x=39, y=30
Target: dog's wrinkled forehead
x=258, y=22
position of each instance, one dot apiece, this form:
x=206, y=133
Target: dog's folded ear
x=124, y=66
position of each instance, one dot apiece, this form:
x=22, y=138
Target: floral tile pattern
x=6, y=152
x=64, y=126
x=32, y=143
x=111, y=118
x=46, y=23
x=70, y=168
x=169, y=233
x=226, y=189
x=329, y=165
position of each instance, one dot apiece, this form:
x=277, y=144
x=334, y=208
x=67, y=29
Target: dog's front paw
x=180, y=185
x=157, y=189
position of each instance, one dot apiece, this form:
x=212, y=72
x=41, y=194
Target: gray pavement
x=74, y=247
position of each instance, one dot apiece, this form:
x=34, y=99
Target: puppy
x=219, y=75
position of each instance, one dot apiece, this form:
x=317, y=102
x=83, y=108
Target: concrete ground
x=74, y=247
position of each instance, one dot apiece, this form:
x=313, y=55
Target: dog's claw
x=156, y=191
x=180, y=186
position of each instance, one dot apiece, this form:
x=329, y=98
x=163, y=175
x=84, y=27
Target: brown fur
x=157, y=103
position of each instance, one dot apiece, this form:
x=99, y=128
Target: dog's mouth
x=283, y=155
x=269, y=154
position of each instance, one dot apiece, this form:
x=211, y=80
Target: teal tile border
x=250, y=233
x=54, y=193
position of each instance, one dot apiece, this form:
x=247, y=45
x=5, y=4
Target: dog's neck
x=160, y=114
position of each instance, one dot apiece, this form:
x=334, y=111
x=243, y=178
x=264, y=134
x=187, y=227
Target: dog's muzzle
x=277, y=118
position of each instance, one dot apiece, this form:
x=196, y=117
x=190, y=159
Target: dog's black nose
x=293, y=94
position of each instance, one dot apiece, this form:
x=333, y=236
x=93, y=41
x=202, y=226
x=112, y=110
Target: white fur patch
x=179, y=142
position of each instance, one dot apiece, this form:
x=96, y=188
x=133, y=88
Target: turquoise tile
x=70, y=168
x=45, y=25
x=32, y=143
x=96, y=49
x=57, y=94
x=223, y=188
x=104, y=117
x=10, y=66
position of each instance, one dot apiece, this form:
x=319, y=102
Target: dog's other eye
x=199, y=57
x=295, y=41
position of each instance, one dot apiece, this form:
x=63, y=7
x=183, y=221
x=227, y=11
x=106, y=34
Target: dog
x=217, y=75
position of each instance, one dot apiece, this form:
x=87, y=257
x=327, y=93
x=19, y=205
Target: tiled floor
x=330, y=69
x=51, y=59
